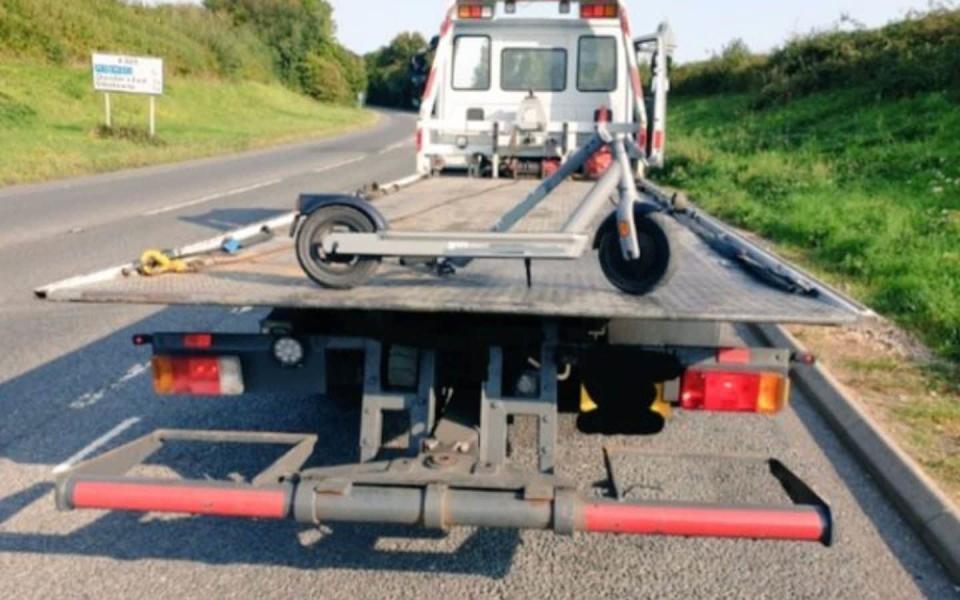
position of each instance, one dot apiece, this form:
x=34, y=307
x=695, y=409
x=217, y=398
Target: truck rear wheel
x=334, y=271
x=656, y=264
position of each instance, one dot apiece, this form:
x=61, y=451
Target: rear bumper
x=441, y=507
x=413, y=492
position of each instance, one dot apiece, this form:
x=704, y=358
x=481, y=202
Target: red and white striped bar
x=802, y=523
x=214, y=499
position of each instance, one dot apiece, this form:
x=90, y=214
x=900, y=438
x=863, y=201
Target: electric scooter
x=341, y=240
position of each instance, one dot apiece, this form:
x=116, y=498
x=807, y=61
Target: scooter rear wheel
x=654, y=268
x=337, y=271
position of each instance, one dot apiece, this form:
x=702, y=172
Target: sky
x=702, y=26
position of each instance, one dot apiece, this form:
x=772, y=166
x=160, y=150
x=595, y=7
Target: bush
x=192, y=41
x=735, y=69
x=919, y=54
x=324, y=80
x=299, y=34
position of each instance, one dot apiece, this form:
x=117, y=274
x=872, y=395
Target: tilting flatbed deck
x=707, y=286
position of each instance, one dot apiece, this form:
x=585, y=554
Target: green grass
x=864, y=191
x=193, y=41
x=50, y=121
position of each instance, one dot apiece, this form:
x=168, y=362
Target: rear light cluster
x=198, y=375
x=734, y=391
x=599, y=11
x=475, y=11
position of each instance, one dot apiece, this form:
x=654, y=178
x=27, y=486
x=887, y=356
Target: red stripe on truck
x=194, y=500
x=795, y=525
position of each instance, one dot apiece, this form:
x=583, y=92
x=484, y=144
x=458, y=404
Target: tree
x=391, y=79
x=300, y=34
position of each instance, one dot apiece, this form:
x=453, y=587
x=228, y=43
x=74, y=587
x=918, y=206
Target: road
x=70, y=383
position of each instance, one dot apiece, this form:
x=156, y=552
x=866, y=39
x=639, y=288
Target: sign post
x=128, y=75
x=153, y=116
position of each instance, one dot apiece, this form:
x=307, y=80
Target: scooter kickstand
x=443, y=268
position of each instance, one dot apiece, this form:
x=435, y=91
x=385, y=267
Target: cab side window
x=471, y=63
x=597, y=66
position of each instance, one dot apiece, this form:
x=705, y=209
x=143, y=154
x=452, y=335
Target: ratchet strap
x=156, y=262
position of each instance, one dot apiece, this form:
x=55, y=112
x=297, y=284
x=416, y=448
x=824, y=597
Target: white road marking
x=396, y=146
x=95, y=445
x=211, y=197
x=90, y=398
x=337, y=165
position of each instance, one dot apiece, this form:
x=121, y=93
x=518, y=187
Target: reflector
x=197, y=341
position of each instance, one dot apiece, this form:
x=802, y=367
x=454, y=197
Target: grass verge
x=912, y=397
x=51, y=122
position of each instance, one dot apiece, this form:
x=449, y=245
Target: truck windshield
x=471, y=63
x=537, y=69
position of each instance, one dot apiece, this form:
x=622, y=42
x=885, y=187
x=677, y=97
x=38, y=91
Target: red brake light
x=197, y=376
x=734, y=391
x=475, y=11
x=599, y=11
x=418, y=140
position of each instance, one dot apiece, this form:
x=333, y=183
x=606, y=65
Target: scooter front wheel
x=654, y=268
x=337, y=271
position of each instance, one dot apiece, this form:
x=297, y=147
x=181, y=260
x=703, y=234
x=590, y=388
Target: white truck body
x=575, y=58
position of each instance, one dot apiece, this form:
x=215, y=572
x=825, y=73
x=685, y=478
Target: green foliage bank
x=843, y=148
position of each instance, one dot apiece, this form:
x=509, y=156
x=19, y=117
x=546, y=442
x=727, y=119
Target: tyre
x=656, y=264
x=336, y=271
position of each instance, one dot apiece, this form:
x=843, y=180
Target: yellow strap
x=155, y=262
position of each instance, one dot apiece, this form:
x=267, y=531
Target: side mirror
x=434, y=42
x=419, y=63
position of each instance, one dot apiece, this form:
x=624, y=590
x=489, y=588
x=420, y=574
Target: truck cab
x=519, y=86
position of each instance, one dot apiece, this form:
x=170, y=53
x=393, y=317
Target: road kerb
x=918, y=498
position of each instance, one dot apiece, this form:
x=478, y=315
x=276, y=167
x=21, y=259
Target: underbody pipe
x=434, y=506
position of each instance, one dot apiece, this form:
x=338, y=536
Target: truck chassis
x=458, y=469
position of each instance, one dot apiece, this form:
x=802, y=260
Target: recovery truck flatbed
x=708, y=288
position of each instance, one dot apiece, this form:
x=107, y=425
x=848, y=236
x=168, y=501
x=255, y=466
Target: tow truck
x=456, y=358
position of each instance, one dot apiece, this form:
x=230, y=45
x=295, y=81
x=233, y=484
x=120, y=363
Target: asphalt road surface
x=70, y=382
